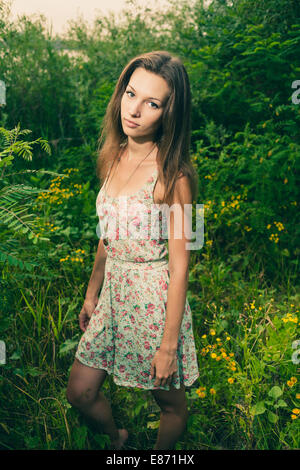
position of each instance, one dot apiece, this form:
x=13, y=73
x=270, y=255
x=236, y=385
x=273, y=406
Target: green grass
x=249, y=326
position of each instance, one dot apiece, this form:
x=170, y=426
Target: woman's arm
x=97, y=275
x=164, y=363
x=179, y=258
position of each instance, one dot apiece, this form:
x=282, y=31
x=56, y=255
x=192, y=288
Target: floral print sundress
x=127, y=325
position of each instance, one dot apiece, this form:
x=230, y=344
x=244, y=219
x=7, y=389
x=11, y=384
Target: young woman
x=140, y=328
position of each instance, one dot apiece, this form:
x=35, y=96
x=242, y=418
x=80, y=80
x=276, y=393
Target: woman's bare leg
x=173, y=416
x=83, y=392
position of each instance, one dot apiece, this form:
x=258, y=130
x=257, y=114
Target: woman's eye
x=152, y=102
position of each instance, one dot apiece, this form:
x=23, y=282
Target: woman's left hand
x=163, y=366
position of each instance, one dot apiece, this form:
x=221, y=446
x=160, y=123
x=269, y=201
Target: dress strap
x=149, y=185
x=152, y=179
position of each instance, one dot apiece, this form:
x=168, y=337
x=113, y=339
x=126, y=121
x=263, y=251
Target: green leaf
x=274, y=43
x=67, y=346
x=275, y=392
x=258, y=409
x=102, y=440
x=12, y=260
x=32, y=442
x=268, y=402
x=153, y=424
x=16, y=355
x=6, y=161
x=79, y=436
x=66, y=231
x=33, y=371
x=3, y=256
x=272, y=417
x=281, y=403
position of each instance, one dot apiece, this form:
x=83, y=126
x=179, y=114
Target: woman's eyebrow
x=150, y=98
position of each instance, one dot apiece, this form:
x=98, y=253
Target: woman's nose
x=135, y=109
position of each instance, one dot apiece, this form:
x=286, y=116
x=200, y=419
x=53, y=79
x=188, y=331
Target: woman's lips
x=130, y=123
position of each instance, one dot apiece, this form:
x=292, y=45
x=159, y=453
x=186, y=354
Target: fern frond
x=21, y=148
x=13, y=261
x=19, y=191
x=13, y=209
x=54, y=173
x=45, y=145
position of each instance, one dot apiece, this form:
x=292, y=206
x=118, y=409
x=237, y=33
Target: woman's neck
x=135, y=152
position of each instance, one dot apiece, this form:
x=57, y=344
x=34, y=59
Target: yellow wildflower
x=292, y=381
x=212, y=391
x=200, y=392
x=231, y=380
x=296, y=411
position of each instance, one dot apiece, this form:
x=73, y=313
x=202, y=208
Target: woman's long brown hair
x=173, y=135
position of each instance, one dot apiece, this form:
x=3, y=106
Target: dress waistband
x=147, y=265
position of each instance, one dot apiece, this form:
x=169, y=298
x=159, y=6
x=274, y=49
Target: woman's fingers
x=152, y=372
x=163, y=382
x=83, y=320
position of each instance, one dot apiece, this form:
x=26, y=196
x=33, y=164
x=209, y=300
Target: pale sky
x=60, y=11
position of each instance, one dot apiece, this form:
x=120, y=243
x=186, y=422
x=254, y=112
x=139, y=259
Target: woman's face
x=143, y=103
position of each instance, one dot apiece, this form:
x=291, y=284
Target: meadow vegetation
x=242, y=59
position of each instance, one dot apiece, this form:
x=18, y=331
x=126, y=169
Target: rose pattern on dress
x=127, y=325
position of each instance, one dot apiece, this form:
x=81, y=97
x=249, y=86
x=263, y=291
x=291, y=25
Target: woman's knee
x=80, y=396
x=180, y=411
x=173, y=401
x=84, y=384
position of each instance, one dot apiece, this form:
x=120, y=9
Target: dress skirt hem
x=187, y=382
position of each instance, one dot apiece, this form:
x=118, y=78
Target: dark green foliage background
x=242, y=58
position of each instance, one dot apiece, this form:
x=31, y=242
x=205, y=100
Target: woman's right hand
x=87, y=310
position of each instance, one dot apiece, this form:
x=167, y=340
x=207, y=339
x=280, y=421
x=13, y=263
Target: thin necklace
x=131, y=173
